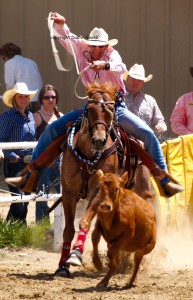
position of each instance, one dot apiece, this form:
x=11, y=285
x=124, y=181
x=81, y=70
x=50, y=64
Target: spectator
x=17, y=125
x=142, y=105
x=48, y=98
x=104, y=63
x=182, y=116
x=18, y=68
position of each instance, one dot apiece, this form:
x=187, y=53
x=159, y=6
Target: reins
x=98, y=155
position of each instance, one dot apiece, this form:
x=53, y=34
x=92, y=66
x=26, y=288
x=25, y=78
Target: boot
x=169, y=189
x=18, y=182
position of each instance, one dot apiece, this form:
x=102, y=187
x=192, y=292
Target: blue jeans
x=17, y=211
x=54, y=130
x=47, y=177
x=132, y=124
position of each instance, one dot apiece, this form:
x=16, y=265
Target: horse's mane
x=106, y=87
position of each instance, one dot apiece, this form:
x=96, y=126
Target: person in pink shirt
x=99, y=61
x=182, y=116
x=96, y=53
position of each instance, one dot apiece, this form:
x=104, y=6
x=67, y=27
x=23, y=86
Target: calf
x=127, y=223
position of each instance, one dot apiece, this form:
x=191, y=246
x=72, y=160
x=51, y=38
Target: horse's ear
x=88, y=86
x=116, y=88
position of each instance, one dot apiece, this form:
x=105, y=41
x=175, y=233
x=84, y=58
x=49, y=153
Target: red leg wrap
x=80, y=240
x=65, y=253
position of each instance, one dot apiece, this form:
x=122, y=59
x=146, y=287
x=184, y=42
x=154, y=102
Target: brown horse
x=90, y=148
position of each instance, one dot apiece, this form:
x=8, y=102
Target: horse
x=96, y=144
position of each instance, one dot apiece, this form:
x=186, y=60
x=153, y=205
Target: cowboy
x=142, y=105
x=105, y=64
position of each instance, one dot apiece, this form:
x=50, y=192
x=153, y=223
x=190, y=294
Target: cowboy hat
x=19, y=88
x=99, y=37
x=137, y=72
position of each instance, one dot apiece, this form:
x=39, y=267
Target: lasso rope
x=57, y=58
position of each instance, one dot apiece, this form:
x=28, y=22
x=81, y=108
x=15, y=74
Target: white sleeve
x=9, y=75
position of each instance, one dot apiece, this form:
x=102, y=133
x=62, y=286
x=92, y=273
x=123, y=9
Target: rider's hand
x=160, y=127
x=98, y=65
x=59, y=19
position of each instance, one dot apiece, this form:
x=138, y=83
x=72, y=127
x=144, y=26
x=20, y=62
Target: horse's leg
x=75, y=257
x=89, y=214
x=69, y=205
x=142, y=185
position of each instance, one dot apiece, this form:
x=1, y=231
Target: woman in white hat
x=17, y=125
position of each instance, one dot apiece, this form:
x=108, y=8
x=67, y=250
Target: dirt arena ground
x=167, y=274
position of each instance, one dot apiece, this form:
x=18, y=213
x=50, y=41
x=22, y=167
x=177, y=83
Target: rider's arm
x=115, y=61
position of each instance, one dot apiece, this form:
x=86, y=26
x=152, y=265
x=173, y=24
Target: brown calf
x=126, y=221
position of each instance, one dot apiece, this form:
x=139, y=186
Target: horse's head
x=100, y=112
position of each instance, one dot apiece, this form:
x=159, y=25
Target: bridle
x=105, y=105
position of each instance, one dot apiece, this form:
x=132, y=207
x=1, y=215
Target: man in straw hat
x=142, y=105
x=104, y=64
x=17, y=125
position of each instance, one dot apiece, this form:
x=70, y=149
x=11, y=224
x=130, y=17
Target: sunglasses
x=49, y=97
x=94, y=46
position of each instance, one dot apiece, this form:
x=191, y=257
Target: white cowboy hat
x=137, y=72
x=19, y=88
x=99, y=37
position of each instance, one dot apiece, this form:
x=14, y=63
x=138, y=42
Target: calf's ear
x=124, y=178
x=99, y=173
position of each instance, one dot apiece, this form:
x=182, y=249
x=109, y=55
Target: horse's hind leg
x=69, y=205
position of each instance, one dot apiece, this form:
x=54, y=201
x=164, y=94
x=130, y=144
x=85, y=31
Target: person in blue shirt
x=17, y=125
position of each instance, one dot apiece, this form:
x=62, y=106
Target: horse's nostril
x=99, y=143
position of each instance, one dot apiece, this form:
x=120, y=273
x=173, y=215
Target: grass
x=17, y=234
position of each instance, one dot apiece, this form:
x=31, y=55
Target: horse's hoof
x=75, y=258
x=62, y=271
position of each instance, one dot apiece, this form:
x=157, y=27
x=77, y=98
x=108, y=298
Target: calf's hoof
x=75, y=258
x=62, y=271
x=102, y=284
x=130, y=285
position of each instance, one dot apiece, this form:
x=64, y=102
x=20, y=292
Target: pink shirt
x=83, y=56
x=182, y=115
